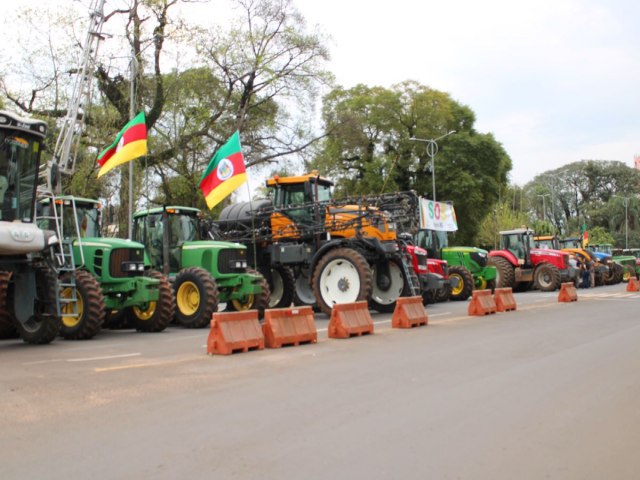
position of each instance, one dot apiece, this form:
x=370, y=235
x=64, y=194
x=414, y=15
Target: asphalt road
x=548, y=391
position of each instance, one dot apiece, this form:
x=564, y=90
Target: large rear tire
x=7, y=325
x=341, y=276
x=388, y=284
x=90, y=308
x=44, y=324
x=546, y=277
x=154, y=316
x=505, y=276
x=196, y=296
x=465, y=282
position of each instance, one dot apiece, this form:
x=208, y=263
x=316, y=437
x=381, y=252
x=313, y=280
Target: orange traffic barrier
x=633, y=285
x=568, y=293
x=234, y=332
x=409, y=312
x=350, y=319
x=482, y=303
x=504, y=299
x=289, y=326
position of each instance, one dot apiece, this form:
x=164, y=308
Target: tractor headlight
x=239, y=264
x=132, y=267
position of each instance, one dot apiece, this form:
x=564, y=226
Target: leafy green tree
x=501, y=217
x=371, y=148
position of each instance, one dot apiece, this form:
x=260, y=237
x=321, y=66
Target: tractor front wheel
x=82, y=319
x=196, y=295
x=252, y=301
x=43, y=326
x=154, y=316
x=465, y=282
x=281, y=286
x=546, y=277
x=341, y=276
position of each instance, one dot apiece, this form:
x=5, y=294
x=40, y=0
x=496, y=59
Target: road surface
x=548, y=391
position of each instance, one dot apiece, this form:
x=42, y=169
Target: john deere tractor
x=112, y=277
x=29, y=304
x=204, y=273
x=468, y=266
x=340, y=251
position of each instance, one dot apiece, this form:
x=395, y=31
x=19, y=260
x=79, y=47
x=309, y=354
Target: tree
x=369, y=148
x=502, y=217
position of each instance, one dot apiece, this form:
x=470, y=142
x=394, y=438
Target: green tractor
x=627, y=262
x=205, y=273
x=466, y=264
x=105, y=278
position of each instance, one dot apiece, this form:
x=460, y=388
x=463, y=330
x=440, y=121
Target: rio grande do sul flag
x=129, y=144
x=225, y=172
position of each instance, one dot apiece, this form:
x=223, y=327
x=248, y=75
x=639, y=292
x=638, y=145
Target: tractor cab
x=519, y=243
x=433, y=241
x=164, y=232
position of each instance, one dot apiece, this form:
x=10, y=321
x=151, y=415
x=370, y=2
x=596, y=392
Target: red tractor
x=520, y=265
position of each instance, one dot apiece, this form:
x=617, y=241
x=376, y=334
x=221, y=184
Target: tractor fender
x=506, y=254
x=368, y=247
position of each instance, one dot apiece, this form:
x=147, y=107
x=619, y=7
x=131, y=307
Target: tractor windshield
x=518, y=244
x=19, y=156
x=87, y=218
x=432, y=241
x=182, y=228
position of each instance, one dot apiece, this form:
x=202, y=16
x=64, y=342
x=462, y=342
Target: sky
x=555, y=81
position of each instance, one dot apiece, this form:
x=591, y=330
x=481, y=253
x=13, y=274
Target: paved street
x=548, y=391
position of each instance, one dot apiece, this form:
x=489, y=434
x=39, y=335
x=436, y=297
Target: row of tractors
x=60, y=276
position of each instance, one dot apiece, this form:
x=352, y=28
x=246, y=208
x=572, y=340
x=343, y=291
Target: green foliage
x=369, y=149
x=502, y=217
x=600, y=235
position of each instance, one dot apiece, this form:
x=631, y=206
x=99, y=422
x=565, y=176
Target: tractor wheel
x=465, y=282
x=252, y=302
x=491, y=285
x=154, y=316
x=616, y=274
x=341, y=276
x=388, y=284
x=505, y=277
x=196, y=297
x=443, y=294
x=428, y=296
x=479, y=283
x=546, y=277
x=627, y=273
x=303, y=294
x=281, y=285
x=7, y=326
x=44, y=325
x=90, y=308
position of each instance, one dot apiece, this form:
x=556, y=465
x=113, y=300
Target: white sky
x=556, y=81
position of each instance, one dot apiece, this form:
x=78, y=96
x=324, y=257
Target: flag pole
x=132, y=113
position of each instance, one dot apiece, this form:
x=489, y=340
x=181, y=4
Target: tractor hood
x=214, y=244
x=107, y=242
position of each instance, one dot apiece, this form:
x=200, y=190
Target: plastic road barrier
x=482, y=303
x=633, y=285
x=234, y=332
x=505, y=301
x=350, y=319
x=289, y=326
x=567, y=293
x=409, y=312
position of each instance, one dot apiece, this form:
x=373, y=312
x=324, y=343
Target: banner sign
x=437, y=216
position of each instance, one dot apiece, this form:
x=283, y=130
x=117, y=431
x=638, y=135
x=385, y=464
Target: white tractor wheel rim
x=390, y=295
x=340, y=282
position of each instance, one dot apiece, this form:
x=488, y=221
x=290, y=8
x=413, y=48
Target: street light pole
x=432, y=150
x=544, y=210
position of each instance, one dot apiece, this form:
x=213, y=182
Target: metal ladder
x=65, y=267
x=410, y=275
